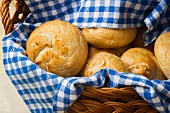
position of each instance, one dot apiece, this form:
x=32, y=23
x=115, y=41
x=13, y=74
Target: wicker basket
x=101, y=100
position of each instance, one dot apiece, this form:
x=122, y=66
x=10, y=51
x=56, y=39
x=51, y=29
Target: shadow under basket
x=100, y=100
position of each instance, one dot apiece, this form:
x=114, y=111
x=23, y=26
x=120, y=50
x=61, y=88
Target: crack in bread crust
x=59, y=47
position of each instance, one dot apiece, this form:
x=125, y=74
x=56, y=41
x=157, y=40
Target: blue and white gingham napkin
x=46, y=92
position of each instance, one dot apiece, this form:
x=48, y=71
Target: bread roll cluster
x=61, y=48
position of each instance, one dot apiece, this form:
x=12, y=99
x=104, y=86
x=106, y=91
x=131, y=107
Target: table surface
x=10, y=100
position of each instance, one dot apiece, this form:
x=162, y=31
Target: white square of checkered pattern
x=45, y=92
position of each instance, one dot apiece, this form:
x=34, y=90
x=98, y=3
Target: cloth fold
x=46, y=92
x=155, y=14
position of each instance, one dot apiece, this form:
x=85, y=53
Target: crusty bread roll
x=103, y=60
x=116, y=51
x=109, y=38
x=139, y=42
x=58, y=47
x=142, y=61
x=162, y=52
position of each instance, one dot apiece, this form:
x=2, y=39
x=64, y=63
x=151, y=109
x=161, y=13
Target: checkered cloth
x=46, y=92
x=109, y=14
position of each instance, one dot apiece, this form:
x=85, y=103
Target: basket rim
x=8, y=21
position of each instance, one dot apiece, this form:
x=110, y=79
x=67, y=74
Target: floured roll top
x=58, y=47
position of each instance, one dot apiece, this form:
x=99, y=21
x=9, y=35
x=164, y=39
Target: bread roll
x=142, y=61
x=109, y=38
x=58, y=47
x=103, y=60
x=139, y=42
x=162, y=52
x=116, y=51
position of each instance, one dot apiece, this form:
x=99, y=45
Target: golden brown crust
x=58, y=47
x=119, y=51
x=116, y=51
x=162, y=52
x=93, y=50
x=142, y=61
x=109, y=38
x=103, y=60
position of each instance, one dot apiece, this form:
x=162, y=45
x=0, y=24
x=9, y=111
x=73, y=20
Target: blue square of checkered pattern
x=46, y=92
x=109, y=14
